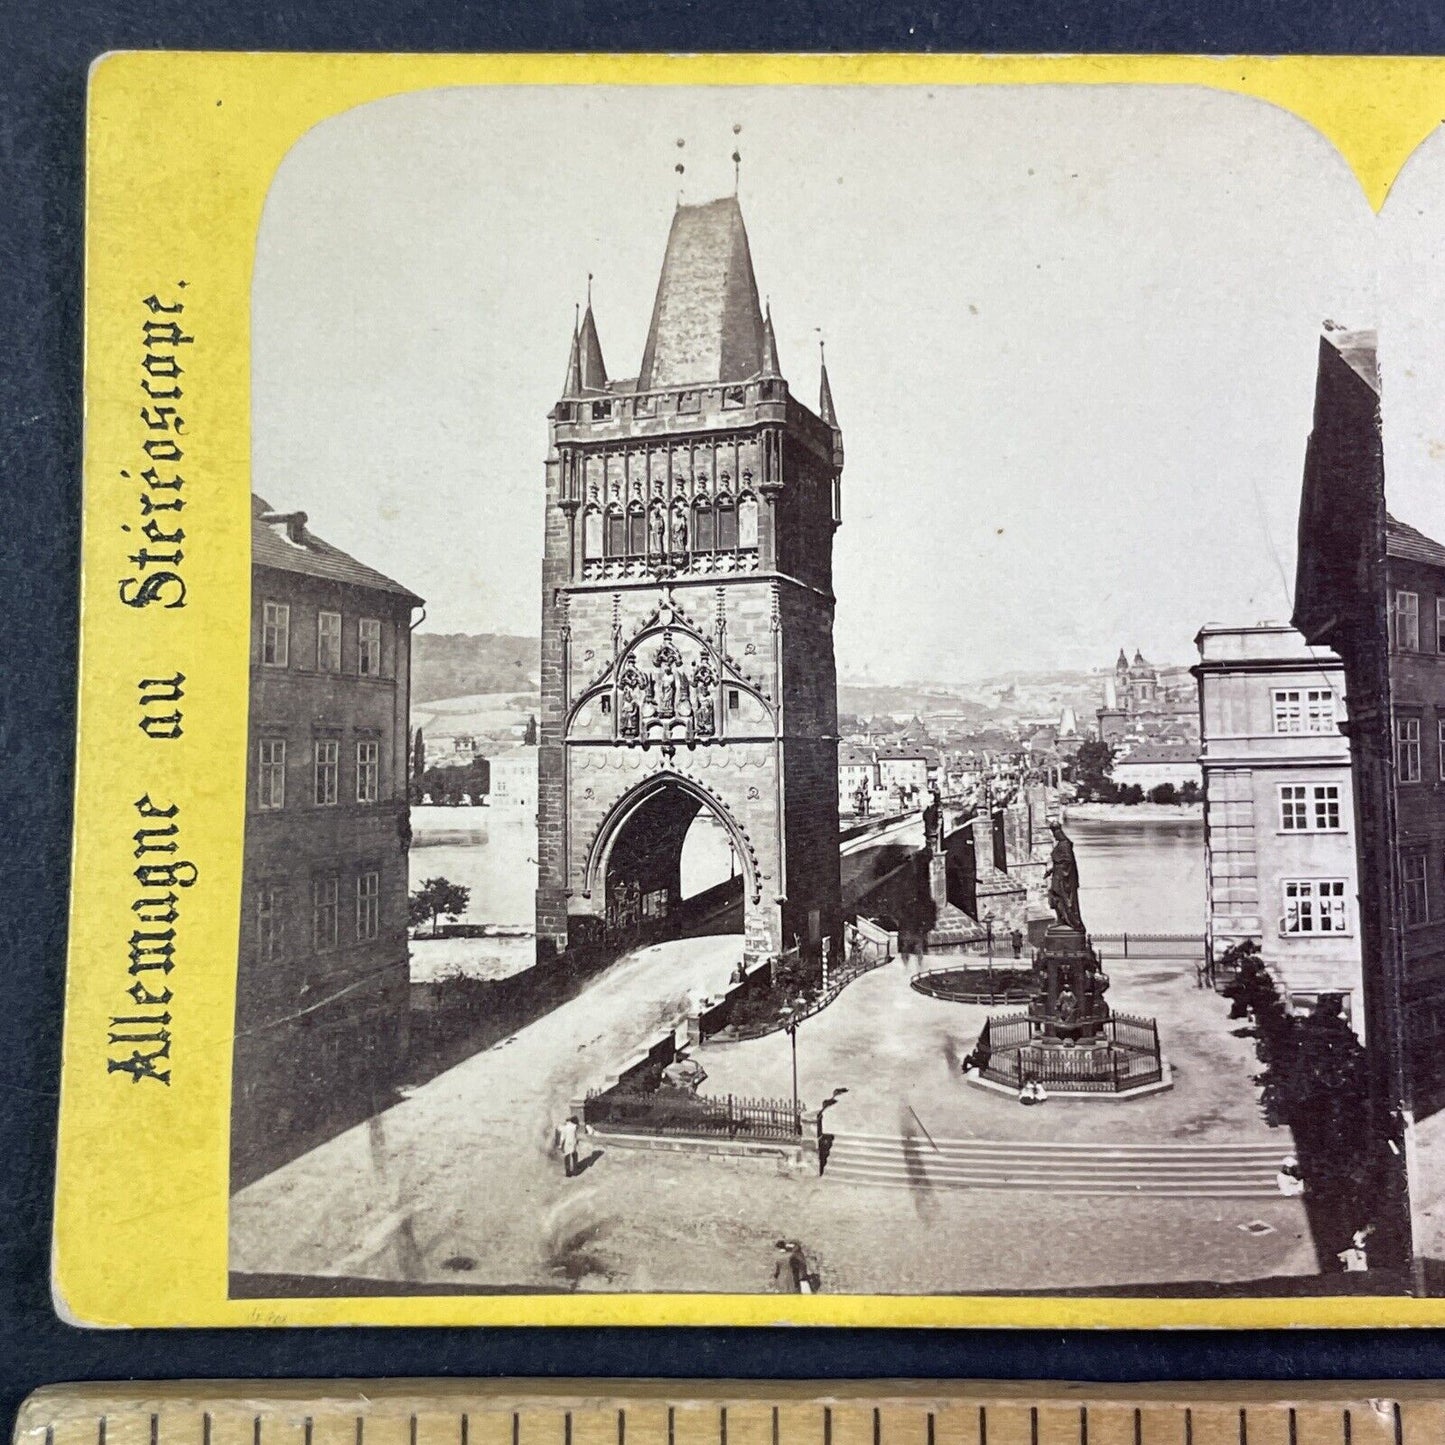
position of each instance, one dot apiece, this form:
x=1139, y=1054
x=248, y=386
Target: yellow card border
x=182, y=150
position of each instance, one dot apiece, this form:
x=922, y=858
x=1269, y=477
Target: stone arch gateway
x=687, y=662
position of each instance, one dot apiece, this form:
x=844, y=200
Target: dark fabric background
x=46, y=47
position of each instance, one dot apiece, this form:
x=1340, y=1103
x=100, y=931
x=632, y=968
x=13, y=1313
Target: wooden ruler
x=596, y=1412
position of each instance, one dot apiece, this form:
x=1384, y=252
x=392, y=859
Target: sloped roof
x=1403, y=540
x=706, y=323
x=289, y=546
x=1160, y=753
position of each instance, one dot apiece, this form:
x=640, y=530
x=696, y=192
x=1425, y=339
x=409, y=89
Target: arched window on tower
x=727, y=524
x=616, y=532
x=636, y=531
x=591, y=534
x=747, y=520
x=704, y=532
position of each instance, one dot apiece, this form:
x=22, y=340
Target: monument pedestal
x=1070, y=1041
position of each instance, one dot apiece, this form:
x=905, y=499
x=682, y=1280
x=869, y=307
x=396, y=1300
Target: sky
x=1071, y=335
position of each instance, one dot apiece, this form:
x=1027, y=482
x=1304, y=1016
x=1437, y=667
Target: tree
x=435, y=899
x=529, y=736
x=1130, y=793
x=1190, y=792
x=1089, y=771
x=1164, y=793
x=418, y=755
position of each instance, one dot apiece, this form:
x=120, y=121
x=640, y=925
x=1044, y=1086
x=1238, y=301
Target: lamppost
x=790, y=1024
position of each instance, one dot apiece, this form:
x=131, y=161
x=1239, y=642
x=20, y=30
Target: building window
x=1407, y=749
x=326, y=755
x=1309, y=807
x=367, y=765
x=271, y=773
x=1406, y=614
x=727, y=525
x=1440, y=738
x=368, y=904
x=325, y=893
x=601, y=410
x=1415, y=888
x=1304, y=710
x=328, y=642
x=270, y=923
x=368, y=647
x=735, y=699
x=275, y=634
x=1294, y=816
x=1314, y=905
x=591, y=534
x=1440, y=625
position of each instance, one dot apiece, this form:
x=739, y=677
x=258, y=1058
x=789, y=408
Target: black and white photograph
x=847, y=695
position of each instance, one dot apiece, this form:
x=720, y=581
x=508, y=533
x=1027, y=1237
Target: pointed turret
x=593, y=368
x=770, y=345
x=830, y=416
x=573, y=385
x=825, y=393
x=1123, y=663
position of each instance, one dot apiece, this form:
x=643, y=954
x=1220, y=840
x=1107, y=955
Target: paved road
x=470, y=1150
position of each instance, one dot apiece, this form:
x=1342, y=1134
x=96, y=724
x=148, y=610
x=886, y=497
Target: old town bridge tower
x=687, y=618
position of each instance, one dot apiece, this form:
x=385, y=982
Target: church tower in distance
x=687, y=619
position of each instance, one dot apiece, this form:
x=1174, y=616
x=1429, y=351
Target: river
x=1140, y=876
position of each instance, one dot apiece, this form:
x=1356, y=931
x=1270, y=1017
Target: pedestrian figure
x=1032, y=1092
x=568, y=1137
x=1017, y=939
x=785, y=1269
x=1355, y=1259
x=1289, y=1180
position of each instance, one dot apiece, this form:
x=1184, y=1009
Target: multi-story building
x=1279, y=840
x=513, y=779
x=1373, y=589
x=322, y=984
x=1150, y=765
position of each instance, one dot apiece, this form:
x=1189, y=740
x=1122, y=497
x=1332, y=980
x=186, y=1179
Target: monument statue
x=1063, y=876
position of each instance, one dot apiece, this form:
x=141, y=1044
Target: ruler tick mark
x=1188, y=1426
x=466, y=1427
x=722, y=1425
x=877, y=1426
x=566, y=1429
x=1033, y=1425
x=1293, y=1427
x=930, y=1428
x=1399, y=1425
x=206, y=1430
x=671, y=1427
x=827, y=1425
x=983, y=1425
x=516, y=1428
x=360, y=1426
x=1349, y=1428
x=256, y=1430
x=1243, y=1427
x=305, y=1432
x=1138, y=1426
x=622, y=1427
x=100, y=1431
x=775, y=1425
x=1083, y=1425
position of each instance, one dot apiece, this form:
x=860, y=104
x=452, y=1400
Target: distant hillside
x=460, y=664
x=872, y=699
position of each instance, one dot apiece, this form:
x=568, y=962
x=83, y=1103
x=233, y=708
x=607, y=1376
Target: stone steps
x=1177, y=1170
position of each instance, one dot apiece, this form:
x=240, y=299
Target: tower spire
x=770, y=345
x=573, y=385
x=593, y=371
x=825, y=392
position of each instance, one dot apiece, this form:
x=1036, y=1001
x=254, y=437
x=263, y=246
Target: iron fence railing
x=679, y=1112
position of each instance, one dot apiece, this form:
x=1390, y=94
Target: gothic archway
x=634, y=864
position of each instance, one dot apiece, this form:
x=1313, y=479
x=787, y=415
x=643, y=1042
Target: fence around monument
x=679, y=1113
x=1013, y=1056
